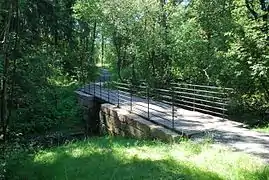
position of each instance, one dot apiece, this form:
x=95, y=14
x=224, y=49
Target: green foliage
x=48, y=56
x=211, y=42
x=264, y=129
x=52, y=106
x=43, y=96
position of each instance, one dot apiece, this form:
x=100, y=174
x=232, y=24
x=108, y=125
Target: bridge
x=162, y=106
x=184, y=109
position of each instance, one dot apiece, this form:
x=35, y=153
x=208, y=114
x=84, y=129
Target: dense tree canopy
x=204, y=42
x=48, y=44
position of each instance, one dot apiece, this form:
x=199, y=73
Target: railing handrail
x=205, y=96
x=204, y=86
x=207, y=99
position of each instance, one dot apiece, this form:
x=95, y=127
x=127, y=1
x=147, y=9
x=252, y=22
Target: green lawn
x=118, y=158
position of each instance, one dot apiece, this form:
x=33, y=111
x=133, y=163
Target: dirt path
x=239, y=139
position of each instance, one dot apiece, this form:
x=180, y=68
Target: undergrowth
x=119, y=158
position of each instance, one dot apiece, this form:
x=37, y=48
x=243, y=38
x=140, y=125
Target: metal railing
x=161, y=104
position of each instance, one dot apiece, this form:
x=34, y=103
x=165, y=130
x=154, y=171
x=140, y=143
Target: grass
x=254, y=122
x=118, y=158
x=264, y=129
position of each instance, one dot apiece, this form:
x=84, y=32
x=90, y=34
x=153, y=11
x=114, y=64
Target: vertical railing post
x=194, y=100
x=223, y=105
x=223, y=113
x=108, y=88
x=100, y=87
x=89, y=88
x=131, y=94
x=94, y=88
x=118, y=96
x=148, y=99
x=173, y=106
x=84, y=85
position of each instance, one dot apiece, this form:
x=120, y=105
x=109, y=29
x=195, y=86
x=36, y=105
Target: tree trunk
x=4, y=92
x=102, y=49
x=118, y=43
x=56, y=24
x=93, y=41
x=17, y=42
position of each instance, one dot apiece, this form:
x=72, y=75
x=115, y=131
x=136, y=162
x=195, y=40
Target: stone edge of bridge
x=120, y=122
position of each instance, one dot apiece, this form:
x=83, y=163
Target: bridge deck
x=185, y=121
x=190, y=123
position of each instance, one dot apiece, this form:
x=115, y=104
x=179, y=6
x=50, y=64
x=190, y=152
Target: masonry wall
x=117, y=121
x=90, y=109
x=108, y=119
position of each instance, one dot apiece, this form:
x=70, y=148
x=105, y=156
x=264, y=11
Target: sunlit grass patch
x=263, y=129
x=118, y=158
x=45, y=157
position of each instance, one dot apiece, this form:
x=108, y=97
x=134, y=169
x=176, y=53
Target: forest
x=50, y=48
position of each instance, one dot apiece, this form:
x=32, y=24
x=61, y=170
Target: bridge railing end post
x=100, y=87
x=173, y=106
x=108, y=88
x=94, y=88
x=118, y=92
x=148, y=99
x=131, y=94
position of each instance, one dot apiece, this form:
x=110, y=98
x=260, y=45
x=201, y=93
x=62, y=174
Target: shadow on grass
x=102, y=161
